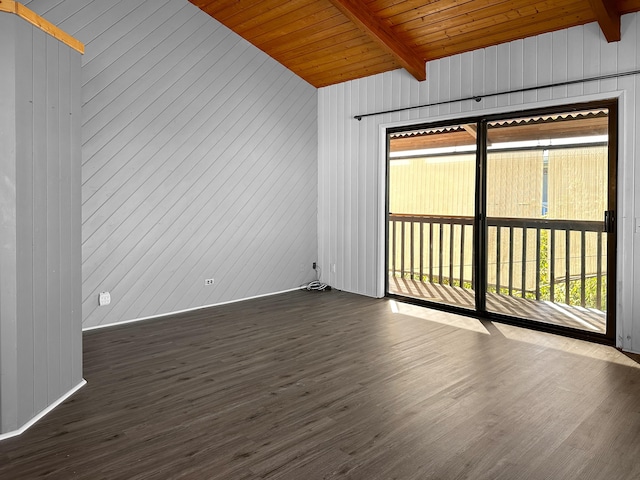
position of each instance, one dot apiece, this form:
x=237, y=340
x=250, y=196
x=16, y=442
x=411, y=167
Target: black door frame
x=480, y=228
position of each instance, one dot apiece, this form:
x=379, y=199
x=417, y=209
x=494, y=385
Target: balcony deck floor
x=588, y=319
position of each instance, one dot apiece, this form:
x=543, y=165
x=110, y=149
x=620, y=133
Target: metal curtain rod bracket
x=478, y=98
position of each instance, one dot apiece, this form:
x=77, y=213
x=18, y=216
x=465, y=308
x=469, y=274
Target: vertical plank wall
x=199, y=160
x=40, y=284
x=8, y=231
x=351, y=167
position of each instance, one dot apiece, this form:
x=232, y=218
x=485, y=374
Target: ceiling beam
x=471, y=130
x=383, y=36
x=608, y=18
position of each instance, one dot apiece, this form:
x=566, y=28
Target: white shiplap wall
x=351, y=157
x=199, y=160
x=40, y=311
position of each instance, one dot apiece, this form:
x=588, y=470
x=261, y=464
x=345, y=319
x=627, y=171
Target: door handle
x=610, y=221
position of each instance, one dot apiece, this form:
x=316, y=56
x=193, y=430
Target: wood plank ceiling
x=332, y=41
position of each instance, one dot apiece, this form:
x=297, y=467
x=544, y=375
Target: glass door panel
x=432, y=178
x=547, y=194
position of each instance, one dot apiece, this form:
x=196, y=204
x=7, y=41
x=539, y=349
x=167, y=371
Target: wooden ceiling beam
x=608, y=18
x=471, y=130
x=383, y=36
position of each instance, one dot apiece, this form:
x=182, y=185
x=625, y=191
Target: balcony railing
x=541, y=259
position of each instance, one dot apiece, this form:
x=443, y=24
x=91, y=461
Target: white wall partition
x=351, y=152
x=40, y=283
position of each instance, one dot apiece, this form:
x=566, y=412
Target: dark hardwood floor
x=319, y=385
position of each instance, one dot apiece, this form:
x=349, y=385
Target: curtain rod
x=479, y=98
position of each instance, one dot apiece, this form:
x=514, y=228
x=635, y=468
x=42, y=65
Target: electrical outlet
x=104, y=299
x=208, y=281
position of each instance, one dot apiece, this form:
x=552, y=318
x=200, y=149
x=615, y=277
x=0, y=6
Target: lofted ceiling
x=332, y=41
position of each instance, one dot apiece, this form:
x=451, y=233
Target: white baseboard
x=25, y=427
x=124, y=322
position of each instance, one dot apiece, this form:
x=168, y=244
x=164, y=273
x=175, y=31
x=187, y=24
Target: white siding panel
x=466, y=60
x=455, y=83
x=516, y=71
x=592, y=56
x=490, y=76
x=199, y=161
x=544, y=66
x=630, y=60
x=572, y=54
x=503, y=67
x=559, y=53
x=40, y=321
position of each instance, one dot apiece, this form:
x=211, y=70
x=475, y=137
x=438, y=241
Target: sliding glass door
x=547, y=197
x=432, y=173
x=511, y=216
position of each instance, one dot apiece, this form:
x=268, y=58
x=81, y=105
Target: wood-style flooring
x=588, y=319
x=324, y=385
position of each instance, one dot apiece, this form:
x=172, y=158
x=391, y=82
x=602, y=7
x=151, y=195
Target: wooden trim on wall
x=33, y=18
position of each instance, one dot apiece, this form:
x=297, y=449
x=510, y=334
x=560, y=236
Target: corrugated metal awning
x=508, y=122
